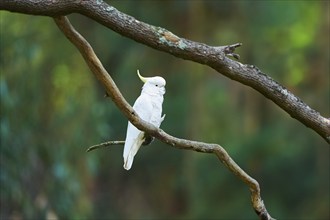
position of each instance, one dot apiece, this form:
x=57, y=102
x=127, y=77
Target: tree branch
x=163, y=40
x=105, y=144
x=99, y=71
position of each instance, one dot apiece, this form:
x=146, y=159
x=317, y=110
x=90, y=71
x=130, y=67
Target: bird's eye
x=157, y=85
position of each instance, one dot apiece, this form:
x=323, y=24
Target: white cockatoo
x=149, y=108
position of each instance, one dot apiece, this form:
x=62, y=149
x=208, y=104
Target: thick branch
x=99, y=71
x=162, y=39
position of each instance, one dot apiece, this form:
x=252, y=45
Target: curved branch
x=102, y=75
x=163, y=40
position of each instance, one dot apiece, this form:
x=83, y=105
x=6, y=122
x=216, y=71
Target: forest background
x=52, y=109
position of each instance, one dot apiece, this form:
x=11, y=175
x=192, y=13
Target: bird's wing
x=134, y=137
x=143, y=107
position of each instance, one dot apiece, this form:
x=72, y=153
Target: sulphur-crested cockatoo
x=149, y=108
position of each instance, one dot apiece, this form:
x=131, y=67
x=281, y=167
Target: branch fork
x=230, y=49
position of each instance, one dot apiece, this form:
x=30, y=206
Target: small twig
x=230, y=49
x=105, y=144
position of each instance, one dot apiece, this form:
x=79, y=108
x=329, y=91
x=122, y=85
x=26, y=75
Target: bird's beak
x=143, y=79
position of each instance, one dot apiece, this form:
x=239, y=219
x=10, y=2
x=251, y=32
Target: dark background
x=52, y=109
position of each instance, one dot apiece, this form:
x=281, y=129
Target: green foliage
x=52, y=109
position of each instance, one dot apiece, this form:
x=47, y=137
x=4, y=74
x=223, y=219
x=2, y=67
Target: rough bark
x=163, y=40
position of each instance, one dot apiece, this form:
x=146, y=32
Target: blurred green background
x=52, y=109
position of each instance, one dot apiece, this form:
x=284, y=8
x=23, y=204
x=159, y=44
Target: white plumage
x=149, y=108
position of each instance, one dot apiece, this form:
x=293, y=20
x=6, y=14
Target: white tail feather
x=128, y=159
